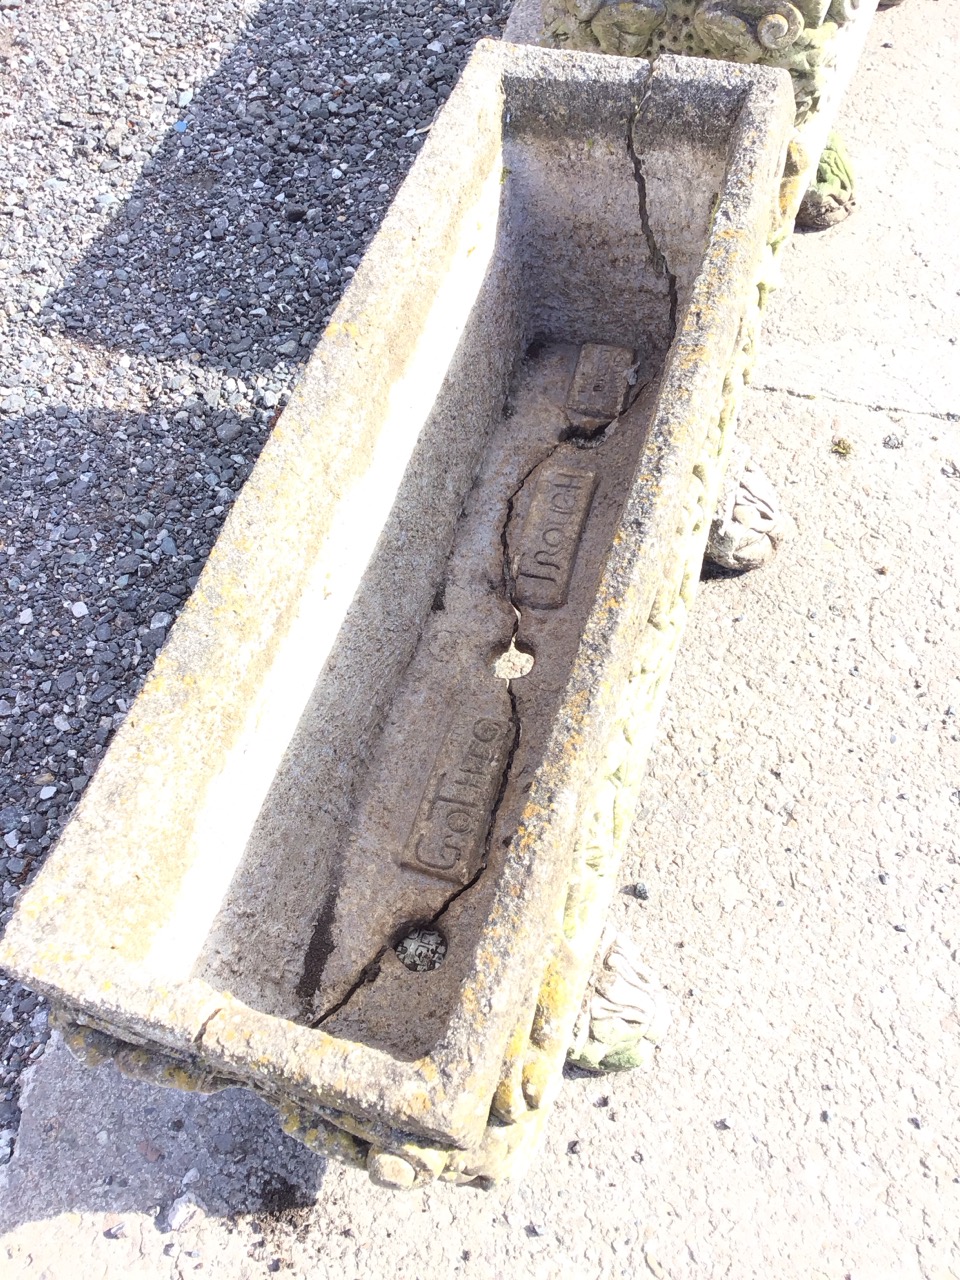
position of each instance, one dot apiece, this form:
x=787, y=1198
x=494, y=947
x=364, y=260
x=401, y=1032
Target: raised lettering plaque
x=599, y=387
x=551, y=535
x=449, y=834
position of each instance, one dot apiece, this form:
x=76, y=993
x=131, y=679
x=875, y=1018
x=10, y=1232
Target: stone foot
x=830, y=197
x=625, y=1016
x=749, y=524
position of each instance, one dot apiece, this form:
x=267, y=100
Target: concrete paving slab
x=798, y=841
x=878, y=318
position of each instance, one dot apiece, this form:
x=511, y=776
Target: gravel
x=189, y=190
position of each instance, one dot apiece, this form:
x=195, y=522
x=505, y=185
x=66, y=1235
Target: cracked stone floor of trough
x=797, y=837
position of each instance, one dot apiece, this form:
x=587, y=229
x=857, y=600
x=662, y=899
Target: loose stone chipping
x=367, y=773
x=626, y=1013
x=749, y=523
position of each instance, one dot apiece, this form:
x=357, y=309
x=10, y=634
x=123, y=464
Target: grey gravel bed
x=187, y=191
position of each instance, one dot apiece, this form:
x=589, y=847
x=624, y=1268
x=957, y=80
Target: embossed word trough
x=353, y=845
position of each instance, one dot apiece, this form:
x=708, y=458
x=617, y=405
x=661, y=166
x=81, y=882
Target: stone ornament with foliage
x=777, y=33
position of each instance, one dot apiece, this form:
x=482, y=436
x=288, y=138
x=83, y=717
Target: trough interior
x=373, y=855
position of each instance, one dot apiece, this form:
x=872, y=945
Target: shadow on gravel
x=94, y=1141
x=104, y=555
x=189, y=318
x=247, y=223
x=235, y=245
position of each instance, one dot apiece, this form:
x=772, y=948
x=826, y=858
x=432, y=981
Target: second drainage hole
x=422, y=949
x=513, y=663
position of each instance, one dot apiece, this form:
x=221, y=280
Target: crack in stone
x=504, y=776
x=371, y=971
x=945, y=416
x=657, y=258
x=587, y=438
x=197, y=1039
x=580, y=439
x=509, y=580
x=321, y=944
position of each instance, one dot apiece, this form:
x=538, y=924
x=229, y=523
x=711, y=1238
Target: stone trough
x=354, y=843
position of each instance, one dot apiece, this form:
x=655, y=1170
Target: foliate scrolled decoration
x=830, y=197
x=626, y=28
x=797, y=35
x=813, y=11
x=748, y=30
x=583, y=10
x=779, y=30
x=749, y=524
x=843, y=10
x=623, y=27
x=565, y=29
x=93, y=1047
x=724, y=34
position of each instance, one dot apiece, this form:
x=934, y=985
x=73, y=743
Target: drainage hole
x=512, y=663
x=422, y=949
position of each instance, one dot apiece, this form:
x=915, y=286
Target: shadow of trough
x=94, y=1141
x=243, y=229
x=187, y=320
x=213, y=283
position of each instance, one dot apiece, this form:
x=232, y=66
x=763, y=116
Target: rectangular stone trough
x=352, y=845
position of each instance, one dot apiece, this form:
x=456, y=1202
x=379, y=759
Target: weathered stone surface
x=275, y=817
x=817, y=41
x=791, y=976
